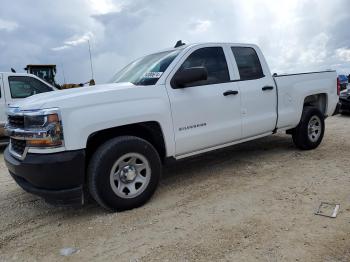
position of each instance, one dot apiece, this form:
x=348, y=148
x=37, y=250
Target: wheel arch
x=150, y=131
x=319, y=101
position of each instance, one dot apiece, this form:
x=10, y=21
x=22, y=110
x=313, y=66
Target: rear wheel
x=124, y=173
x=309, y=133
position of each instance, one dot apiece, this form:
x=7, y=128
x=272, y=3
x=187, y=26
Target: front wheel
x=309, y=132
x=124, y=173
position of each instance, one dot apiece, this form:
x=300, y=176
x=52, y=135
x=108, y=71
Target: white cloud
x=200, y=26
x=60, y=48
x=316, y=51
x=343, y=54
x=101, y=7
x=74, y=41
x=77, y=40
x=8, y=25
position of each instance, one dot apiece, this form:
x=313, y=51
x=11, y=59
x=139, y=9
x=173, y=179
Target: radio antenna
x=92, y=70
x=64, y=76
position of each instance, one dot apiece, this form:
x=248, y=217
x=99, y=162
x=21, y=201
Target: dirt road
x=251, y=202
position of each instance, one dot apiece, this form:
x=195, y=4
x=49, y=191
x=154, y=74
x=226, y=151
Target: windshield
x=146, y=70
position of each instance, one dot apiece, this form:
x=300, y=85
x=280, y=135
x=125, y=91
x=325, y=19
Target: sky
x=295, y=35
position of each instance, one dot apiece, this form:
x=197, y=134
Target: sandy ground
x=251, y=202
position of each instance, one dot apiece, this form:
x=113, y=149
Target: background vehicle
x=14, y=87
x=111, y=140
x=344, y=101
x=343, y=81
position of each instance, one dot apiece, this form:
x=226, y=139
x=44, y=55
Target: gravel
x=250, y=202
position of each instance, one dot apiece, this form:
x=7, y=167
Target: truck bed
x=292, y=87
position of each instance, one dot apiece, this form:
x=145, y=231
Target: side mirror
x=187, y=76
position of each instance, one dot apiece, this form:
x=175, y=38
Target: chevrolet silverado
x=111, y=141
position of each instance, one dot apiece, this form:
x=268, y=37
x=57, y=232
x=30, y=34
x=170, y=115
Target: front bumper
x=58, y=177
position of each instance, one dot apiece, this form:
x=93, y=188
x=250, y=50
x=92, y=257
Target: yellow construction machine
x=48, y=73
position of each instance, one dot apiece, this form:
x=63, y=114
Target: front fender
x=80, y=123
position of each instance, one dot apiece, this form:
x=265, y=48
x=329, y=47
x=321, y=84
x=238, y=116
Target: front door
x=206, y=113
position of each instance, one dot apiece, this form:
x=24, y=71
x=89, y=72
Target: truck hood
x=79, y=96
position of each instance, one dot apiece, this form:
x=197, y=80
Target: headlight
x=52, y=127
x=40, y=128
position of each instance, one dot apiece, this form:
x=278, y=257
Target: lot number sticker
x=152, y=75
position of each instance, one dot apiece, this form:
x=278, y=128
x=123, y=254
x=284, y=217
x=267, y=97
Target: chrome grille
x=16, y=121
x=18, y=146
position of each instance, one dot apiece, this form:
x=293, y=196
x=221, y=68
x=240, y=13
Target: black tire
x=100, y=167
x=300, y=134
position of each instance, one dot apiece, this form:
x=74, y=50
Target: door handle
x=230, y=92
x=267, y=88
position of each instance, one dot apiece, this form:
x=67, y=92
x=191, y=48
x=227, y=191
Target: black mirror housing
x=188, y=76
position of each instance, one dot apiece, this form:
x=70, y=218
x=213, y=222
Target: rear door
x=205, y=114
x=258, y=93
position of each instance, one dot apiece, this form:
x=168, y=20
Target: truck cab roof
x=186, y=46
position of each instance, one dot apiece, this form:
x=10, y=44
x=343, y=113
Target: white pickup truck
x=111, y=140
x=16, y=86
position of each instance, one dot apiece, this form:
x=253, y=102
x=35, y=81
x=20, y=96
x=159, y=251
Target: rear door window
x=23, y=86
x=248, y=63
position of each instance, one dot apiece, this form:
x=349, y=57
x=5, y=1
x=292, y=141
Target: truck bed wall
x=294, y=88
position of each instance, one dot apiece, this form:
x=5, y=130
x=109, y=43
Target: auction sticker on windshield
x=152, y=75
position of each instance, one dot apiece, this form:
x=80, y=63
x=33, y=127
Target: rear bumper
x=58, y=178
x=344, y=105
x=336, y=110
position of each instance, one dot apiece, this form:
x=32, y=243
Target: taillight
x=338, y=86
